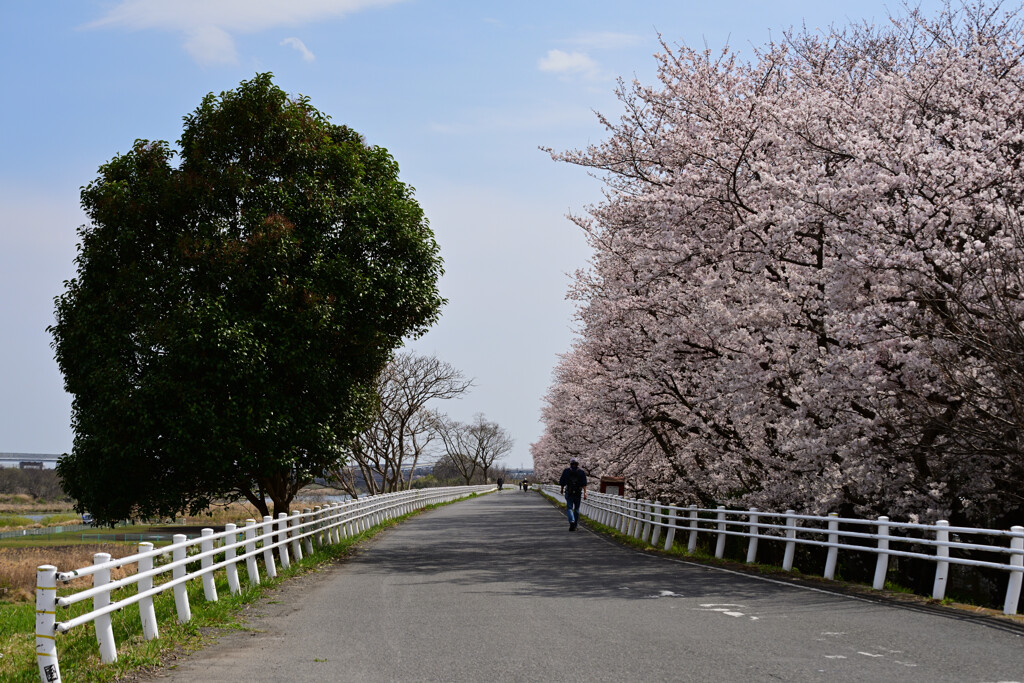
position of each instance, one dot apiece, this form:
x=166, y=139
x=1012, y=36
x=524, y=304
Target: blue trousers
x=572, y=508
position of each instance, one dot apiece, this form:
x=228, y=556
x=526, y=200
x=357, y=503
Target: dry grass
x=20, y=504
x=221, y=513
x=239, y=511
x=18, y=566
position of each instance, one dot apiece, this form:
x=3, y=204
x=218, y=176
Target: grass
x=79, y=654
x=61, y=518
x=15, y=522
x=22, y=503
x=18, y=565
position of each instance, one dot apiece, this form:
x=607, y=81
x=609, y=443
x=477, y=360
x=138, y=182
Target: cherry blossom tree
x=805, y=288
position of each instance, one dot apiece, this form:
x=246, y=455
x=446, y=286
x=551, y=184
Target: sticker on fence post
x=46, y=622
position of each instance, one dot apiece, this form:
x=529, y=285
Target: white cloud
x=209, y=25
x=210, y=45
x=567, y=64
x=301, y=47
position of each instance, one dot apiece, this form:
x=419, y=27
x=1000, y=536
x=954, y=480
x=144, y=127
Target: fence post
x=623, y=514
x=720, y=543
x=180, y=592
x=343, y=525
x=648, y=515
x=296, y=541
x=790, y=553
x=833, y=552
x=282, y=539
x=670, y=534
x=755, y=530
x=657, y=518
x=147, y=615
x=104, y=630
x=941, y=551
x=1016, y=560
x=209, y=587
x=46, y=623
x=882, y=561
x=691, y=544
x=250, y=550
x=634, y=517
x=317, y=538
x=267, y=530
x=229, y=555
x=332, y=524
x=307, y=540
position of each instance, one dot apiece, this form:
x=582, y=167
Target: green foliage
x=230, y=313
x=15, y=520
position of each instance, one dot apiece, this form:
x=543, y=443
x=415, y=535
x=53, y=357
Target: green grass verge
x=78, y=652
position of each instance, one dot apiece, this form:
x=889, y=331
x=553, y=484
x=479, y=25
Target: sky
x=463, y=95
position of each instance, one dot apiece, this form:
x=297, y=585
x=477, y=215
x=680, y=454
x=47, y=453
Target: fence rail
x=40, y=531
x=291, y=536
x=647, y=520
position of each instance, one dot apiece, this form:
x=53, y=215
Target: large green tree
x=230, y=312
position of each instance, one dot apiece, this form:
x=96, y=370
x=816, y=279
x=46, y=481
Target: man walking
x=574, y=487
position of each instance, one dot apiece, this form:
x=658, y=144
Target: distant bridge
x=33, y=461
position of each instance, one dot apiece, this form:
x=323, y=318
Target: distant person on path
x=501, y=482
x=574, y=487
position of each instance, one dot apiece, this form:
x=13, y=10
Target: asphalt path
x=497, y=589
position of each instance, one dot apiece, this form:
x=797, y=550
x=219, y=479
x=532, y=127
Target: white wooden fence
x=647, y=520
x=292, y=535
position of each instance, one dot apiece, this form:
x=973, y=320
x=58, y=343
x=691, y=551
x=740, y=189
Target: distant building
x=29, y=461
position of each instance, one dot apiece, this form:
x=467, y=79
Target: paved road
x=497, y=589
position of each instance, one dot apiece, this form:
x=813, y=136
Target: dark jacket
x=573, y=480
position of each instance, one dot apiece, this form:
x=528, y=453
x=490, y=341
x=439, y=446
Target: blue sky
x=461, y=93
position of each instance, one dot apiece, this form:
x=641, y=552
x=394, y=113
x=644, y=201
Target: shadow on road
x=517, y=543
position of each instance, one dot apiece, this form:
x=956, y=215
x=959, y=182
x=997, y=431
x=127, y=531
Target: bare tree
x=457, y=452
x=387, y=453
x=474, y=446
